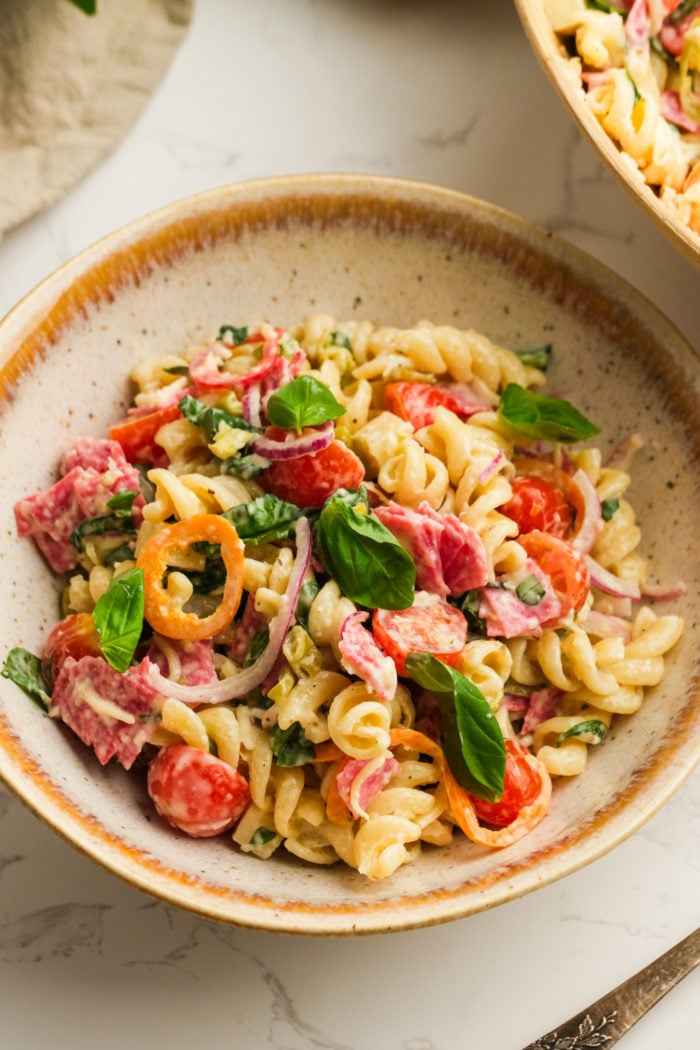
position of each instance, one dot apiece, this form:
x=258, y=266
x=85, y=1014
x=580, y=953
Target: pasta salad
x=346, y=590
x=639, y=64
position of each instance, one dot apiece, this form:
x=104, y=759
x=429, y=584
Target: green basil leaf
x=121, y=553
x=264, y=518
x=472, y=739
x=291, y=747
x=367, y=562
x=118, y=617
x=609, y=507
x=539, y=416
x=538, y=357
x=177, y=370
x=340, y=339
x=469, y=603
x=592, y=728
x=24, y=669
x=88, y=7
x=229, y=333
x=119, y=520
x=530, y=590
x=258, y=646
x=306, y=597
x=305, y=402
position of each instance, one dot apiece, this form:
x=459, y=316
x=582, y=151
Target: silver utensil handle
x=606, y=1020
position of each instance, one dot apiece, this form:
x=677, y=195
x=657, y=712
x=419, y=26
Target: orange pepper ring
x=165, y=616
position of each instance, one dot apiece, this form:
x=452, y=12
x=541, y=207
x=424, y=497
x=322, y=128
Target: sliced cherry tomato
x=76, y=636
x=521, y=786
x=538, y=504
x=437, y=628
x=136, y=434
x=195, y=791
x=416, y=402
x=309, y=480
x=165, y=614
x=565, y=567
x=462, y=803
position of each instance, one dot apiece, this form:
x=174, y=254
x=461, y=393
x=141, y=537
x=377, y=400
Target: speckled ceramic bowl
x=556, y=62
x=357, y=247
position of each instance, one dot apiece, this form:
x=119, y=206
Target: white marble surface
x=443, y=91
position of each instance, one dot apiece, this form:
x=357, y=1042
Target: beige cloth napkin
x=71, y=85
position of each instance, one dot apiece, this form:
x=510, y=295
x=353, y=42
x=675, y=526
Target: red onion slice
x=591, y=522
x=609, y=584
x=491, y=468
x=231, y=688
x=311, y=439
x=251, y=402
x=604, y=625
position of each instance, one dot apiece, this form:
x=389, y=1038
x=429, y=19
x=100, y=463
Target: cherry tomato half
x=521, y=786
x=416, y=402
x=136, y=434
x=437, y=628
x=308, y=481
x=76, y=636
x=538, y=504
x=195, y=791
x=565, y=567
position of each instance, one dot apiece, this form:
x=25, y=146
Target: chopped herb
x=469, y=603
x=592, y=729
x=24, y=669
x=257, y=646
x=246, y=467
x=210, y=419
x=88, y=7
x=538, y=357
x=177, y=370
x=542, y=417
x=261, y=836
x=232, y=335
x=635, y=89
x=305, y=402
x=340, y=339
x=120, y=520
x=608, y=508
x=291, y=747
x=306, y=597
x=121, y=553
x=530, y=590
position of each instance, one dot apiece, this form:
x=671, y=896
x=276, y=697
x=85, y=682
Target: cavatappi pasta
x=309, y=567
x=638, y=62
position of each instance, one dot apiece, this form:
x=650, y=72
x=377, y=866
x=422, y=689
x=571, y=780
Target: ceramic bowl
x=357, y=247
x=555, y=60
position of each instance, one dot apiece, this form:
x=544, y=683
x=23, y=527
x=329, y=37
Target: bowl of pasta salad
x=344, y=590
x=628, y=72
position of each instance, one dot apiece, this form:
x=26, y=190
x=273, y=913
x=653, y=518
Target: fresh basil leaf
x=118, y=617
x=261, y=836
x=340, y=339
x=177, y=370
x=472, y=739
x=121, y=553
x=122, y=502
x=367, y=562
x=609, y=507
x=264, y=518
x=291, y=747
x=305, y=402
x=229, y=333
x=210, y=419
x=591, y=727
x=637, y=95
x=530, y=590
x=245, y=467
x=257, y=646
x=213, y=575
x=24, y=669
x=538, y=357
x=146, y=486
x=685, y=8
x=539, y=416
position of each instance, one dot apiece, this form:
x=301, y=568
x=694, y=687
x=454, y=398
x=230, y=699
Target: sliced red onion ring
x=492, y=467
x=621, y=456
x=251, y=402
x=230, y=688
x=205, y=367
x=311, y=439
x=591, y=522
x=663, y=592
x=609, y=584
x=603, y=625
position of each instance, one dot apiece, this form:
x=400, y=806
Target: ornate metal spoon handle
x=604, y=1022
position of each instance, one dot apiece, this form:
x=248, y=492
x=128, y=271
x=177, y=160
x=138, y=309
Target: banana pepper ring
x=163, y=610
